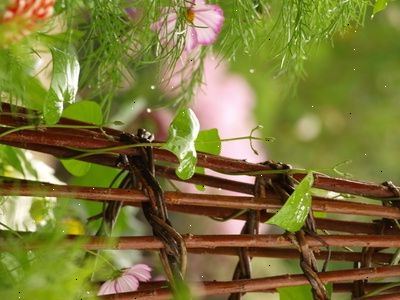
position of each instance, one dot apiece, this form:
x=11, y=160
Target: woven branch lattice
x=266, y=195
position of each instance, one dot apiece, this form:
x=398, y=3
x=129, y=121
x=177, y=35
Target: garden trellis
x=321, y=238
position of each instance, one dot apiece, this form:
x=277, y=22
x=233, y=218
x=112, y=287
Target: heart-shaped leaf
x=182, y=134
x=208, y=141
x=87, y=111
x=293, y=213
x=301, y=292
x=64, y=83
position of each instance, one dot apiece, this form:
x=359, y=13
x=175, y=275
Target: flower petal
x=132, y=280
x=165, y=28
x=208, y=22
x=191, y=41
x=141, y=271
x=126, y=283
x=107, y=288
x=169, y=16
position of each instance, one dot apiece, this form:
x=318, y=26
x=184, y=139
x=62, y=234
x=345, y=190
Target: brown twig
x=9, y=187
x=54, y=137
x=268, y=283
x=151, y=243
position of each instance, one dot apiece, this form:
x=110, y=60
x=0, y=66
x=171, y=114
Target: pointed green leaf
x=329, y=290
x=181, y=291
x=10, y=156
x=379, y=6
x=182, y=133
x=89, y=112
x=301, y=292
x=85, y=111
x=76, y=167
x=64, y=84
x=293, y=213
x=208, y=141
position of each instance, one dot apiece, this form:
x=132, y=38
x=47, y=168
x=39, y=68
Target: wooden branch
x=262, y=284
x=10, y=186
x=338, y=287
x=151, y=243
x=70, y=138
x=378, y=258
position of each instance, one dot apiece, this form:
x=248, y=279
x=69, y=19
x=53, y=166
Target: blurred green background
x=345, y=108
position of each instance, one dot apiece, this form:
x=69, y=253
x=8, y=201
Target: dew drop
x=152, y=87
x=148, y=110
x=251, y=71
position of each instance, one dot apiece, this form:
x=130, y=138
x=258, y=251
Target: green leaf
x=10, y=156
x=301, y=292
x=208, y=141
x=293, y=213
x=40, y=209
x=379, y=6
x=329, y=289
x=182, y=134
x=16, y=67
x=181, y=291
x=16, y=158
x=64, y=84
x=87, y=111
x=76, y=167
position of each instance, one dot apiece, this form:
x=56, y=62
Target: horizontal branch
x=337, y=287
x=151, y=243
x=377, y=258
x=81, y=139
x=267, y=283
x=102, y=194
x=10, y=186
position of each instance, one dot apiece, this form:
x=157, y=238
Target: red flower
x=21, y=17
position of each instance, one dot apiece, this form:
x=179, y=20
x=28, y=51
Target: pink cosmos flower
x=202, y=26
x=127, y=281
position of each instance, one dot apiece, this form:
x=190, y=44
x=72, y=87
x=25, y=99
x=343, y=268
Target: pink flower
x=127, y=281
x=203, y=23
